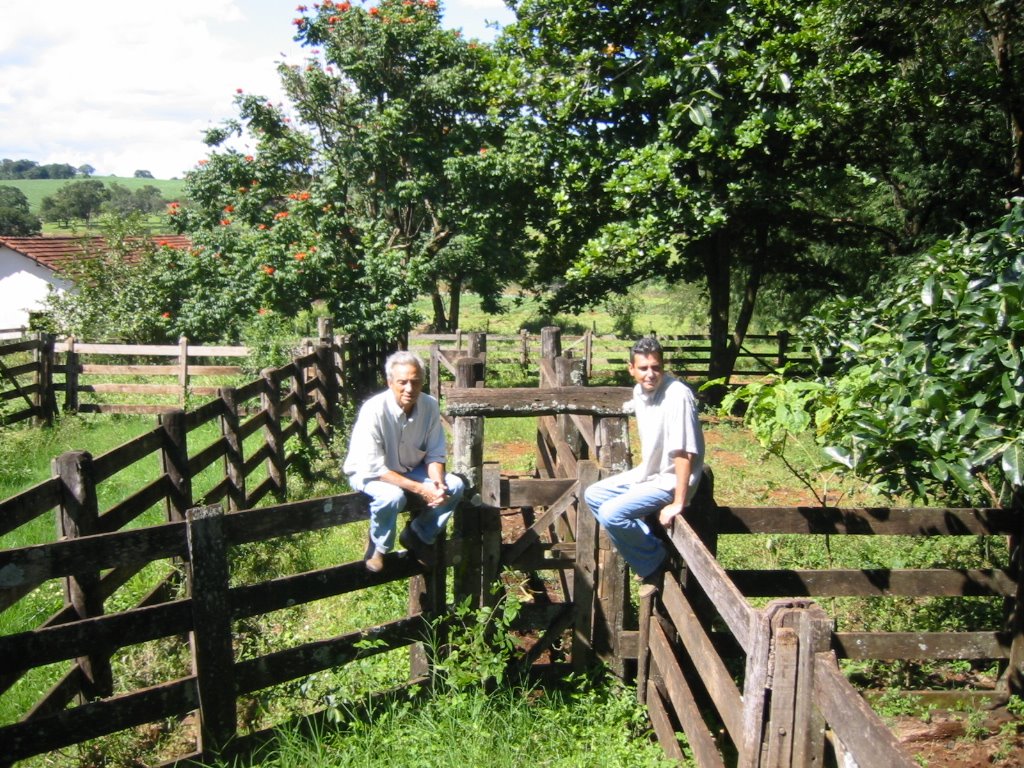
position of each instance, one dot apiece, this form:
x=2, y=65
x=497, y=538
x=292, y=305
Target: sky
x=127, y=85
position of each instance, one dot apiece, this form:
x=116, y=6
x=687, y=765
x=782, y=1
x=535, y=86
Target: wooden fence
x=745, y=685
x=41, y=376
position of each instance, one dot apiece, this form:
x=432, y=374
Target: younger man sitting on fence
x=670, y=468
x=398, y=447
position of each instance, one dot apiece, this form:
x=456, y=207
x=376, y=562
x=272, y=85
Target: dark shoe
x=423, y=552
x=655, y=578
x=373, y=559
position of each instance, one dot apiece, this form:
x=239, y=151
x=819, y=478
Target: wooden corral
x=745, y=685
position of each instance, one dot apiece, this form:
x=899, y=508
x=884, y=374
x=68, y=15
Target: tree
x=392, y=171
x=753, y=145
x=143, y=175
x=75, y=200
x=119, y=293
x=86, y=170
x=145, y=200
x=16, y=218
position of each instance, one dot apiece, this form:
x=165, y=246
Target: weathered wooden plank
x=255, y=461
x=876, y=581
x=98, y=718
x=532, y=492
x=150, y=350
x=921, y=645
x=131, y=389
x=931, y=521
x=17, y=510
x=699, y=736
x=36, y=564
x=291, y=663
x=133, y=409
x=113, y=461
x=212, y=652
x=118, y=516
x=248, y=391
x=204, y=413
x=714, y=674
x=128, y=370
x=27, y=345
x=783, y=702
x=207, y=456
x=852, y=720
x=731, y=604
x=253, y=425
x=531, y=401
x=663, y=729
x=50, y=644
x=532, y=534
x=584, y=570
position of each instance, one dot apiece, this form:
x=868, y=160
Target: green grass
x=578, y=725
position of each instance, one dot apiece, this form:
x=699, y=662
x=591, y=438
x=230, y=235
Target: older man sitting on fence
x=398, y=448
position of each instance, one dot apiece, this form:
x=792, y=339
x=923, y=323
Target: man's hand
x=668, y=512
x=433, y=492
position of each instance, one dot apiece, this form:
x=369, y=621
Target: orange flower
x=374, y=11
x=203, y=161
x=300, y=255
x=166, y=315
x=264, y=311
x=229, y=208
x=225, y=222
x=268, y=269
x=261, y=227
x=249, y=158
x=281, y=215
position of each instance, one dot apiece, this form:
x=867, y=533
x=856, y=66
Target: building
x=30, y=267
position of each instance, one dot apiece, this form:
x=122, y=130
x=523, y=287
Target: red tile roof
x=51, y=251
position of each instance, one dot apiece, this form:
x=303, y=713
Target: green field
x=36, y=189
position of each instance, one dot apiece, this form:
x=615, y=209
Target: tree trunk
x=999, y=29
x=750, y=290
x=717, y=271
x=440, y=322
x=454, y=302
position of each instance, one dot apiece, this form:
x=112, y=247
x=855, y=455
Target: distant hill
x=36, y=189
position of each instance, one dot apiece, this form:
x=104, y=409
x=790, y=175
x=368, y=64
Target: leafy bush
x=921, y=387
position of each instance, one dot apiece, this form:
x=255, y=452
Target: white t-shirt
x=667, y=424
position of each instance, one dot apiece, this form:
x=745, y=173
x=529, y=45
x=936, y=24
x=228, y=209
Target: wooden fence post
x=234, y=456
x=1014, y=676
x=550, y=346
x=183, y=368
x=327, y=381
x=612, y=437
x=71, y=377
x=784, y=337
x=435, y=369
x=584, y=570
x=79, y=516
x=467, y=460
x=270, y=401
x=476, y=347
x=490, y=531
x=45, y=401
x=174, y=458
x=213, y=662
x=524, y=348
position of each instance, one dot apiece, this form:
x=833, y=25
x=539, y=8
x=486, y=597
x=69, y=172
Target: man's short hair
x=403, y=357
x=646, y=345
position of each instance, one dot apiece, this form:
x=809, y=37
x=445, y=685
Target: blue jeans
x=387, y=500
x=620, y=507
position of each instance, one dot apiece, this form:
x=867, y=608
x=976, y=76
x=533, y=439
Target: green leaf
x=1013, y=464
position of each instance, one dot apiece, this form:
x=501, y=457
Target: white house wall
x=24, y=284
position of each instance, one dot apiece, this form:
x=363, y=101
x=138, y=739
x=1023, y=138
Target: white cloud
x=126, y=85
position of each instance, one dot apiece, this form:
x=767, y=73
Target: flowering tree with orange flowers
x=383, y=179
